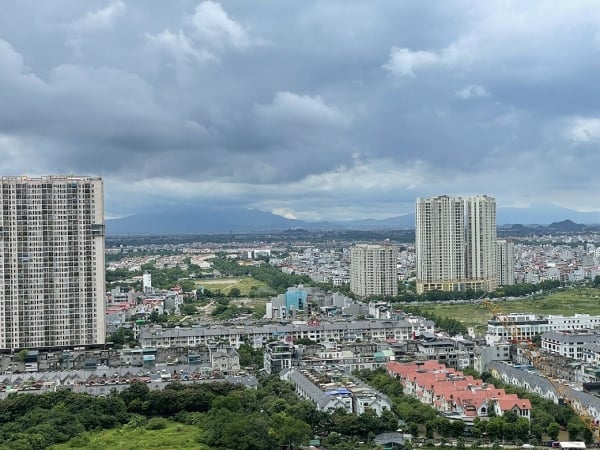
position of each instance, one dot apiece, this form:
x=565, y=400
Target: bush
x=156, y=424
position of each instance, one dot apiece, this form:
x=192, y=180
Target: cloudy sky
x=314, y=110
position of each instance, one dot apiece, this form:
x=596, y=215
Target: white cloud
x=290, y=107
x=403, y=61
x=284, y=212
x=473, y=91
x=179, y=46
x=99, y=19
x=14, y=71
x=214, y=27
x=583, y=129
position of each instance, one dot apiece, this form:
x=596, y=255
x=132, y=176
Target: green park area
x=568, y=301
x=158, y=434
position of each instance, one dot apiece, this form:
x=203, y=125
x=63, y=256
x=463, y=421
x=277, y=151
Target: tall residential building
x=455, y=243
x=481, y=240
x=52, y=279
x=440, y=242
x=505, y=258
x=373, y=269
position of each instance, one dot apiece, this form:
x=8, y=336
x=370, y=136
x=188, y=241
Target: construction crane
x=535, y=356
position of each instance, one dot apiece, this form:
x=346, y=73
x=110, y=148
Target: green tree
x=286, y=430
x=21, y=356
x=553, y=430
x=123, y=336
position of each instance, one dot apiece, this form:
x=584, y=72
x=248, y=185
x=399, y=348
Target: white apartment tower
x=373, y=269
x=505, y=258
x=52, y=280
x=440, y=242
x=455, y=240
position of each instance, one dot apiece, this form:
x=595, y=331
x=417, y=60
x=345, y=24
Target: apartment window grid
x=52, y=292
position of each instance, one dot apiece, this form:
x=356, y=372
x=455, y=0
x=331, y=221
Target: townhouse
x=336, y=390
x=569, y=344
x=341, y=331
x=448, y=390
x=584, y=404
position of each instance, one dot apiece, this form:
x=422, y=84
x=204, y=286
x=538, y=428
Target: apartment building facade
x=52, y=283
x=455, y=242
x=373, y=269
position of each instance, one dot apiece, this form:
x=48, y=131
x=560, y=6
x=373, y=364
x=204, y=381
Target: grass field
x=565, y=302
x=175, y=435
x=243, y=284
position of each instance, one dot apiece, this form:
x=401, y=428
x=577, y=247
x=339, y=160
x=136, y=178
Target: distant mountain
x=566, y=226
x=224, y=220
x=199, y=220
x=544, y=214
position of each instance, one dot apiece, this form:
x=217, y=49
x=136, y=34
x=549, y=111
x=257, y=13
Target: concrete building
x=290, y=304
x=339, y=331
x=481, y=240
x=373, y=269
x=440, y=242
x=277, y=357
x=52, y=283
x=529, y=325
x=346, y=392
x=455, y=243
x=505, y=260
x=569, y=344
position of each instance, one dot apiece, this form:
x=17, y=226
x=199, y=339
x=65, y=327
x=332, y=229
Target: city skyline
x=308, y=110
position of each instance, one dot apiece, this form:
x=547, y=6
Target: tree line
x=229, y=416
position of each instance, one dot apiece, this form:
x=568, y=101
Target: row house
x=516, y=376
x=342, y=331
x=591, y=353
x=351, y=396
x=569, y=344
x=530, y=325
x=583, y=403
x=448, y=390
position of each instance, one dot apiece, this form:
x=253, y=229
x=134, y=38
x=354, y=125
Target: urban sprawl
x=93, y=314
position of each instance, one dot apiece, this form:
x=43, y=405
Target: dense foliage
x=228, y=415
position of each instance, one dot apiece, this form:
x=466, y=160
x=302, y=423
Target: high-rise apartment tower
x=481, y=240
x=52, y=281
x=440, y=241
x=455, y=240
x=373, y=269
x=505, y=258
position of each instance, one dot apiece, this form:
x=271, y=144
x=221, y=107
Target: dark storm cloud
x=310, y=109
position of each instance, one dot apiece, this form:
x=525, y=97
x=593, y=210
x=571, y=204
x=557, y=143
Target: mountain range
x=227, y=219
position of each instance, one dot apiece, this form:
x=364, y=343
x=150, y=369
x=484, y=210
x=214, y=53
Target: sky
x=316, y=110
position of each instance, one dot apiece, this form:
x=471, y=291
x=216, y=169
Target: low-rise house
x=569, y=344
x=448, y=390
x=347, y=393
x=225, y=360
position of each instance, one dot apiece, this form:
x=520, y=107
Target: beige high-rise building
x=481, y=240
x=455, y=240
x=52, y=276
x=440, y=242
x=505, y=258
x=373, y=269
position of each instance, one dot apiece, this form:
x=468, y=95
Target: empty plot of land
x=564, y=302
x=244, y=284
